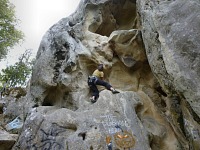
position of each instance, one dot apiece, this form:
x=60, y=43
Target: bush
x=18, y=74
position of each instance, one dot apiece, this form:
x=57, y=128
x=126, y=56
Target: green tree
x=17, y=75
x=9, y=34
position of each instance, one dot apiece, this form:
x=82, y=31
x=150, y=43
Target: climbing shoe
x=115, y=91
x=93, y=100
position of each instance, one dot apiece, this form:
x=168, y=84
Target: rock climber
x=97, y=79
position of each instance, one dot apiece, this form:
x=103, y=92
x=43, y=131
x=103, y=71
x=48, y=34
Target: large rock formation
x=170, y=32
x=61, y=128
x=150, y=52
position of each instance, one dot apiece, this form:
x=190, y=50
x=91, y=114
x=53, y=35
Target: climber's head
x=100, y=67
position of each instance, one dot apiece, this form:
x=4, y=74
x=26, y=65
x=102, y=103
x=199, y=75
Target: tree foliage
x=19, y=73
x=9, y=34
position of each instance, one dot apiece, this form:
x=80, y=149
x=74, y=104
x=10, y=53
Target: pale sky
x=37, y=16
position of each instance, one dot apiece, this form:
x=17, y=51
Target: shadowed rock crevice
x=122, y=16
x=58, y=97
x=192, y=112
x=83, y=135
x=70, y=126
x=160, y=90
x=53, y=95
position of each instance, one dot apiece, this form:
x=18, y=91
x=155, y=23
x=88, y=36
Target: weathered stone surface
x=170, y=31
x=171, y=37
x=72, y=48
x=55, y=128
x=149, y=56
x=128, y=45
x=7, y=140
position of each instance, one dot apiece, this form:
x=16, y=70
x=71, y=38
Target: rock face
x=171, y=38
x=86, y=128
x=7, y=140
x=171, y=33
x=11, y=107
x=150, y=50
